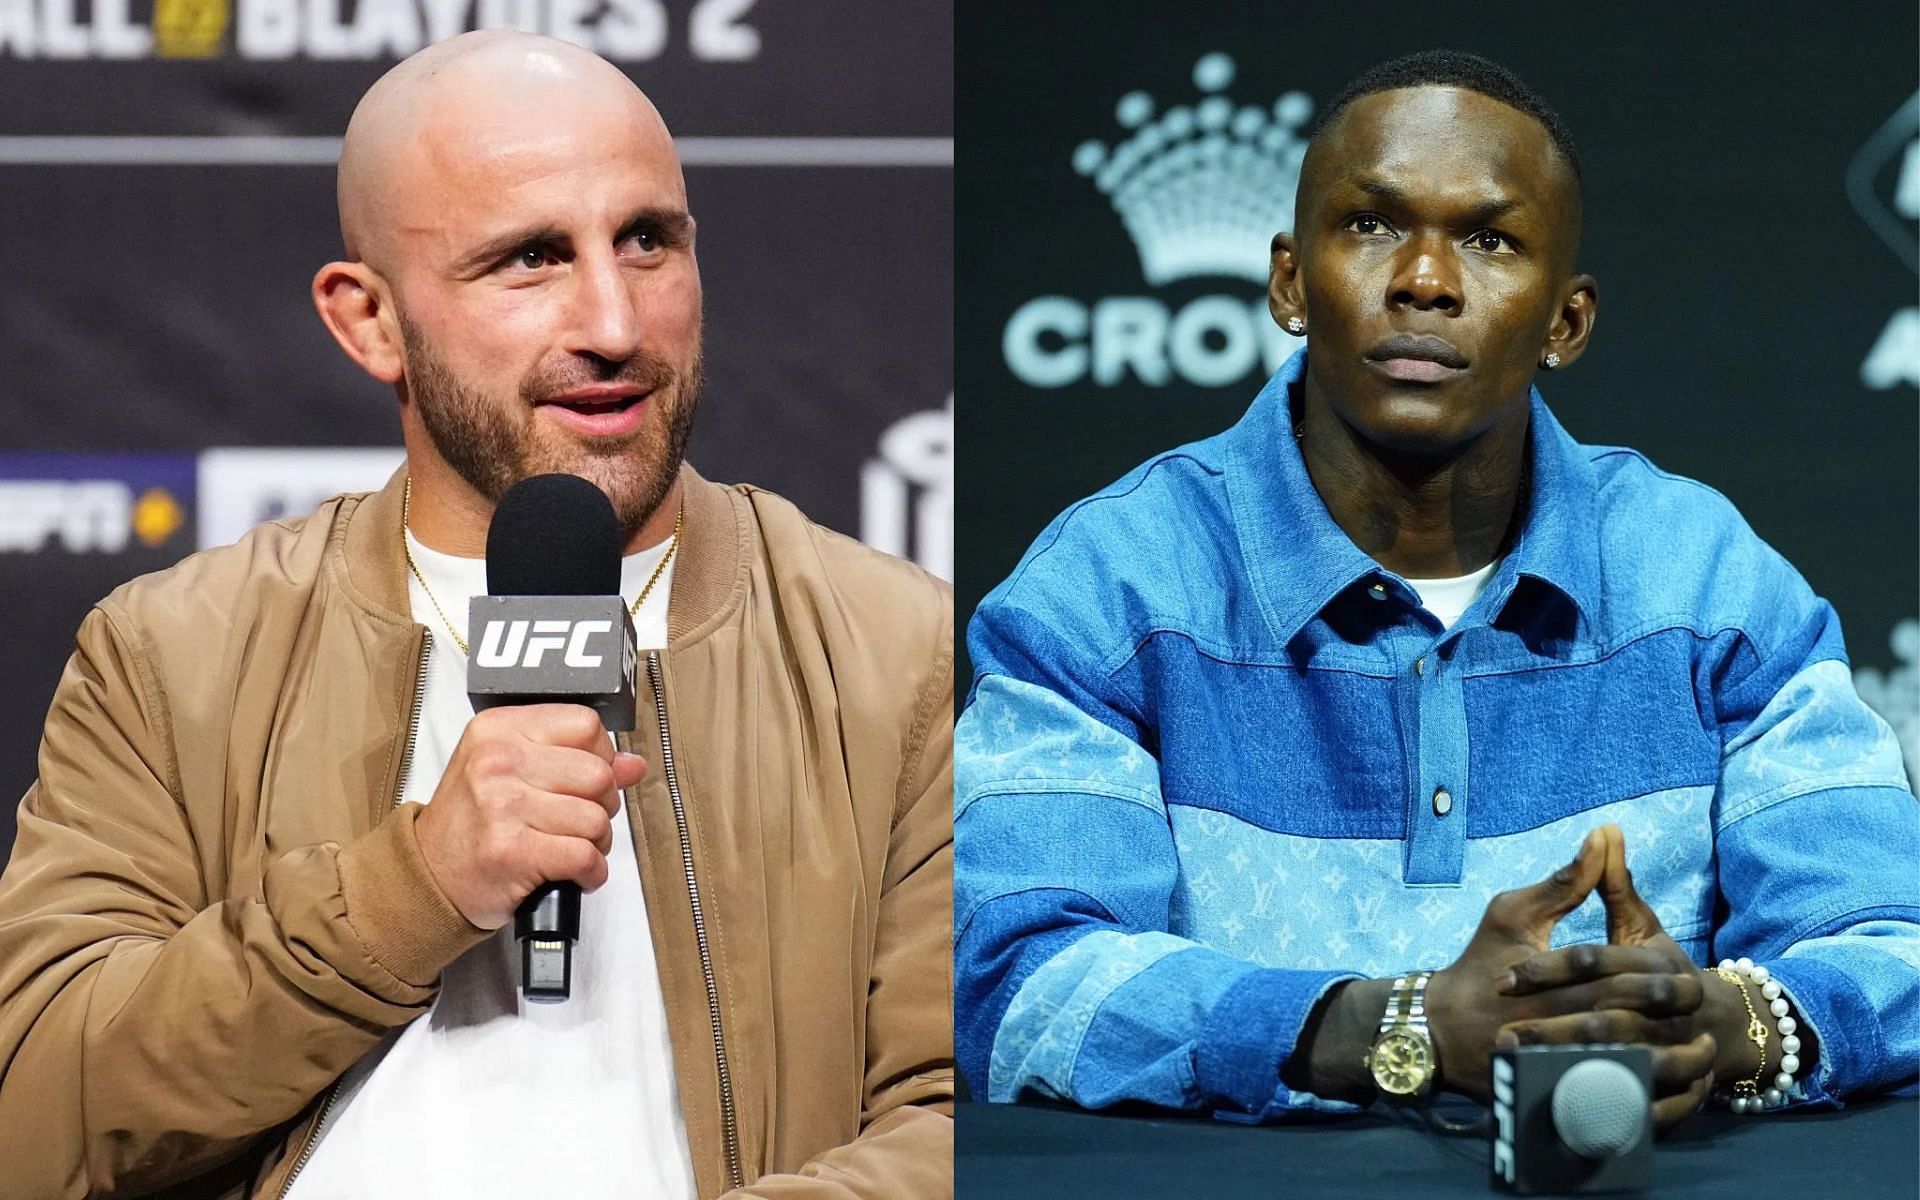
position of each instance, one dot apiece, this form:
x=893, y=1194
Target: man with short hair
x=254, y=936
x=1270, y=744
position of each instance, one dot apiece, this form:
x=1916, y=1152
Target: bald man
x=255, y=934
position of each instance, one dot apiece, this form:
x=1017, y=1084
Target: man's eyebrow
x=672, y=225
x=495, y=249
x=1391, y=196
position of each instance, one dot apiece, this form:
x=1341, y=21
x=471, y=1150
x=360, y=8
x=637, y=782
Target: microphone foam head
x=553, y=535
x=1600, y=1108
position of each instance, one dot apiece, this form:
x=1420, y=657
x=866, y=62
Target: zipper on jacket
x=413, y=714
x=729, y=1125
x=406, y=760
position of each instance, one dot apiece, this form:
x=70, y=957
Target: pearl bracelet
x=1747, y=1096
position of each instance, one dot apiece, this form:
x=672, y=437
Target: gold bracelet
x=1748, y=1089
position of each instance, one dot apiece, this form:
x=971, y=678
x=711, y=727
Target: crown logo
x=1202, y=189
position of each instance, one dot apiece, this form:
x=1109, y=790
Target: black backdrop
x=1748, y=221
x=166, y=193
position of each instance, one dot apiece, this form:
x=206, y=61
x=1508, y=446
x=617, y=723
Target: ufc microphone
x=553, y=628
x=1572, y=1119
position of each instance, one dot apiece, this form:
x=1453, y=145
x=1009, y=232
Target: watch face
x=1402, y=1062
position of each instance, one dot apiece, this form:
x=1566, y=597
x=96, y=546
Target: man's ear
x=353, y=303
x=1283, y=284
x=1573, y=323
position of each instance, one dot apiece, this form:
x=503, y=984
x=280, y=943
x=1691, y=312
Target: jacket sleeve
x=1070, y=985
x=1817, y=834
x=905, y=1146
x=154, y=1017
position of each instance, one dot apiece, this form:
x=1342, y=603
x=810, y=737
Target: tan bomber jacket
x=215, y=905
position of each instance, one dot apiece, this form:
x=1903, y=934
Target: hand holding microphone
x=535, y=783
x=529, y=797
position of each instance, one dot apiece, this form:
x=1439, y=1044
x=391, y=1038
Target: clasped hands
x=1507, y=988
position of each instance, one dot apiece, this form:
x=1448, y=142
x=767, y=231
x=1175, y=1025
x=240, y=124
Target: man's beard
x=493, y=448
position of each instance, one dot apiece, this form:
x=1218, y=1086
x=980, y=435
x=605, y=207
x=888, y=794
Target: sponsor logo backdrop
x=1751, y=187
x=168, y=173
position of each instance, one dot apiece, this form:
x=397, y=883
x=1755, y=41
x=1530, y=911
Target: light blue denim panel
x=1339, y=904
x=1119, y=1017
x=1816, y=768
x=1881, y=962
x=1017, y=738
x=1039, y=1039
x=1021, y=734
x=1897, y=939
x=1057, y=819
x=1054, y=806
x=1814, y=734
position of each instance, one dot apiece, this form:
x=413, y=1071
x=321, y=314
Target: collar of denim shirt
x=1300, y=560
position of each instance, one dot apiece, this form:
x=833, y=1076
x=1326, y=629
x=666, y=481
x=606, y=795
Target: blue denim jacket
x=1194, y=781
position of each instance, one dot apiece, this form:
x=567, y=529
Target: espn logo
x=525, y=643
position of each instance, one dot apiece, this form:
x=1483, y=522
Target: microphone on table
x=552, y=628
x=1571, y=1119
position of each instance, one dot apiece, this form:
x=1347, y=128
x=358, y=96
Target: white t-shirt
x=1449, y=599
x=487, y=1097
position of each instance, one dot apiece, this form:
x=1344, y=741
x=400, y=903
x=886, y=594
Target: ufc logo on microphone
x=1503, y=1162
x=553, y=650
x=526, y=643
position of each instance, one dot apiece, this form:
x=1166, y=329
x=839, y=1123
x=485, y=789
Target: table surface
x=1866, y=1152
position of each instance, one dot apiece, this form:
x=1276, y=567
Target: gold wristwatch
x=1402, y=1059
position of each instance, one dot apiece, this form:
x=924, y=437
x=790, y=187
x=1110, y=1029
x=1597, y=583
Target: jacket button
x=1378, y=591
x=1420, y=665
x=1442, y=802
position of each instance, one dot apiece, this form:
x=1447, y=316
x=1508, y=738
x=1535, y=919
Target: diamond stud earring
x=1296, y=326
x=1553, y=361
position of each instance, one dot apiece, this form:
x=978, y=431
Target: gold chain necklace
x=406, y=508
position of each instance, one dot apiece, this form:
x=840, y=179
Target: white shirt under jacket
x=487, y=1097
x=1449, y=599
